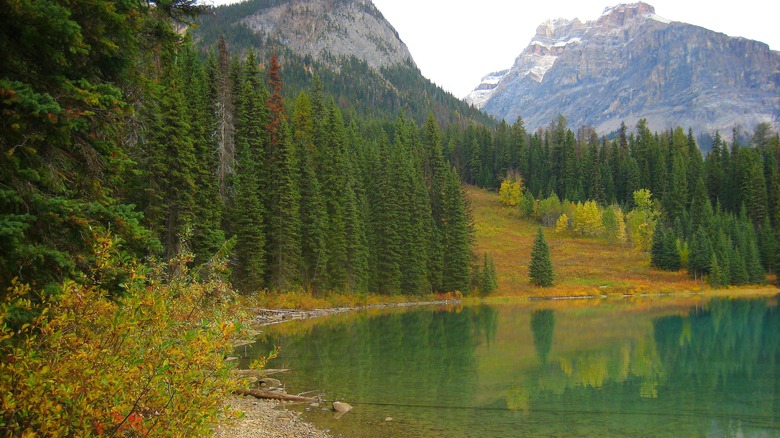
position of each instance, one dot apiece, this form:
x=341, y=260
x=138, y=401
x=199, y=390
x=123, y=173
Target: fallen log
x=259, y=393
x=259, y=373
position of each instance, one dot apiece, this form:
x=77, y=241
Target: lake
x=687, y=366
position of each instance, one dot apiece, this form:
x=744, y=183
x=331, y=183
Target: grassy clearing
x=583, y=266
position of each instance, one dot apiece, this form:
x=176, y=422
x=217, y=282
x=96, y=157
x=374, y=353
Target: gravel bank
x=263, y=419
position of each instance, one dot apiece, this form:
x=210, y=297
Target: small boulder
x=341, y=407
x=389, y=419
x=269, y=382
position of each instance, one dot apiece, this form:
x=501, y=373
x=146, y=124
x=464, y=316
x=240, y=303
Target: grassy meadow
x=584, y=266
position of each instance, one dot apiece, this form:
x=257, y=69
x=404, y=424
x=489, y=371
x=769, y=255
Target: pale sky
x=455, y=43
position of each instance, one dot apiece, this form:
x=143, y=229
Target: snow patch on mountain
x=485, y=88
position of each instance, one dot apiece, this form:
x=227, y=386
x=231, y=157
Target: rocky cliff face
x=330, y=29
x=631, y=64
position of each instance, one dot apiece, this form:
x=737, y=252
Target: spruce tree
x=312, y=207
x=356, y=215
x=701, y=254
x=457, y=237
x=767, y=245
x=664, y=253
x=247, y=212
x=331, y=137
x=224, y=127
x=207, y=235
x=717, y=278
x=385, y=222
x=437, y=169
x=171, y=166
x=540, y=270
x=487, y=277
x=282, y=196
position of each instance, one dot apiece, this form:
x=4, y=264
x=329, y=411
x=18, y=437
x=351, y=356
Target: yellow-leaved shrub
x=511, y=190
x=150, y=363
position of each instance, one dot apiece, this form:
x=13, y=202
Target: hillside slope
x=583, y=266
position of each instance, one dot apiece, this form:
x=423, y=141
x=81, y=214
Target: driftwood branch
x=258, y=393
x=259, y=373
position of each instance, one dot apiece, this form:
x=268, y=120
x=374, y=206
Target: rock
x=632, y=64
x=269, y=382
x=315, y=405
x=389, y=419
x=325, y=29
x=341, y=407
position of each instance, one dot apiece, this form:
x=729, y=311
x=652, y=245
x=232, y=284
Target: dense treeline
x=307, y=199
x=718, y=214
x=313, y=201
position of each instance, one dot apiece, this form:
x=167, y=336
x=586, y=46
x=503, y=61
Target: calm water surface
x=652, y=367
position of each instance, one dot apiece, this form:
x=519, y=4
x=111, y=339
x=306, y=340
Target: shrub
x=511, y=190
x=563, y=224
x=148, y=363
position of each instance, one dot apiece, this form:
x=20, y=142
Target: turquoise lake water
x=644, y=367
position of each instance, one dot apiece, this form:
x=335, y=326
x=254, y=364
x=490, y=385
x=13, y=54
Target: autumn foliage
x=149, y=363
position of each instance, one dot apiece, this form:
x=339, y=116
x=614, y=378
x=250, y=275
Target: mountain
x=631, y=64
x=332, y=29
x=356, y=53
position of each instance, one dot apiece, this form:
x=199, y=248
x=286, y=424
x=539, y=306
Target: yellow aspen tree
x=563, y=224
x=587, y=219
x=511, y=190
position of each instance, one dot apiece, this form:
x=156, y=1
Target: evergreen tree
x=331, y=137
x=457, y=237
x=676, y=201
x=540, y=270
x=67, y=137
x=437, y=195
x=716, y=279
x=224, y=109
x=701, y=254
x=282, y=195
x=356, y=217
x=664, y=253
x=171, y=164
x=312, y=207
x=207, y=235
x=767, y=245
x=487, y=277
x=248, y=212
x=385, y=223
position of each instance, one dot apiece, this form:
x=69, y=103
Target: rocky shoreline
x=265, y=317
x=269, y=418
x=265, y=419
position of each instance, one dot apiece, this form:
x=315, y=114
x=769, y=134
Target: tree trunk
x=258, y=393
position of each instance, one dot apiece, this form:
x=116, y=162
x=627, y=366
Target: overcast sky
x=455, y=43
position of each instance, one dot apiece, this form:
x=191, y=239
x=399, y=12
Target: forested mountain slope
x=356, y=53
